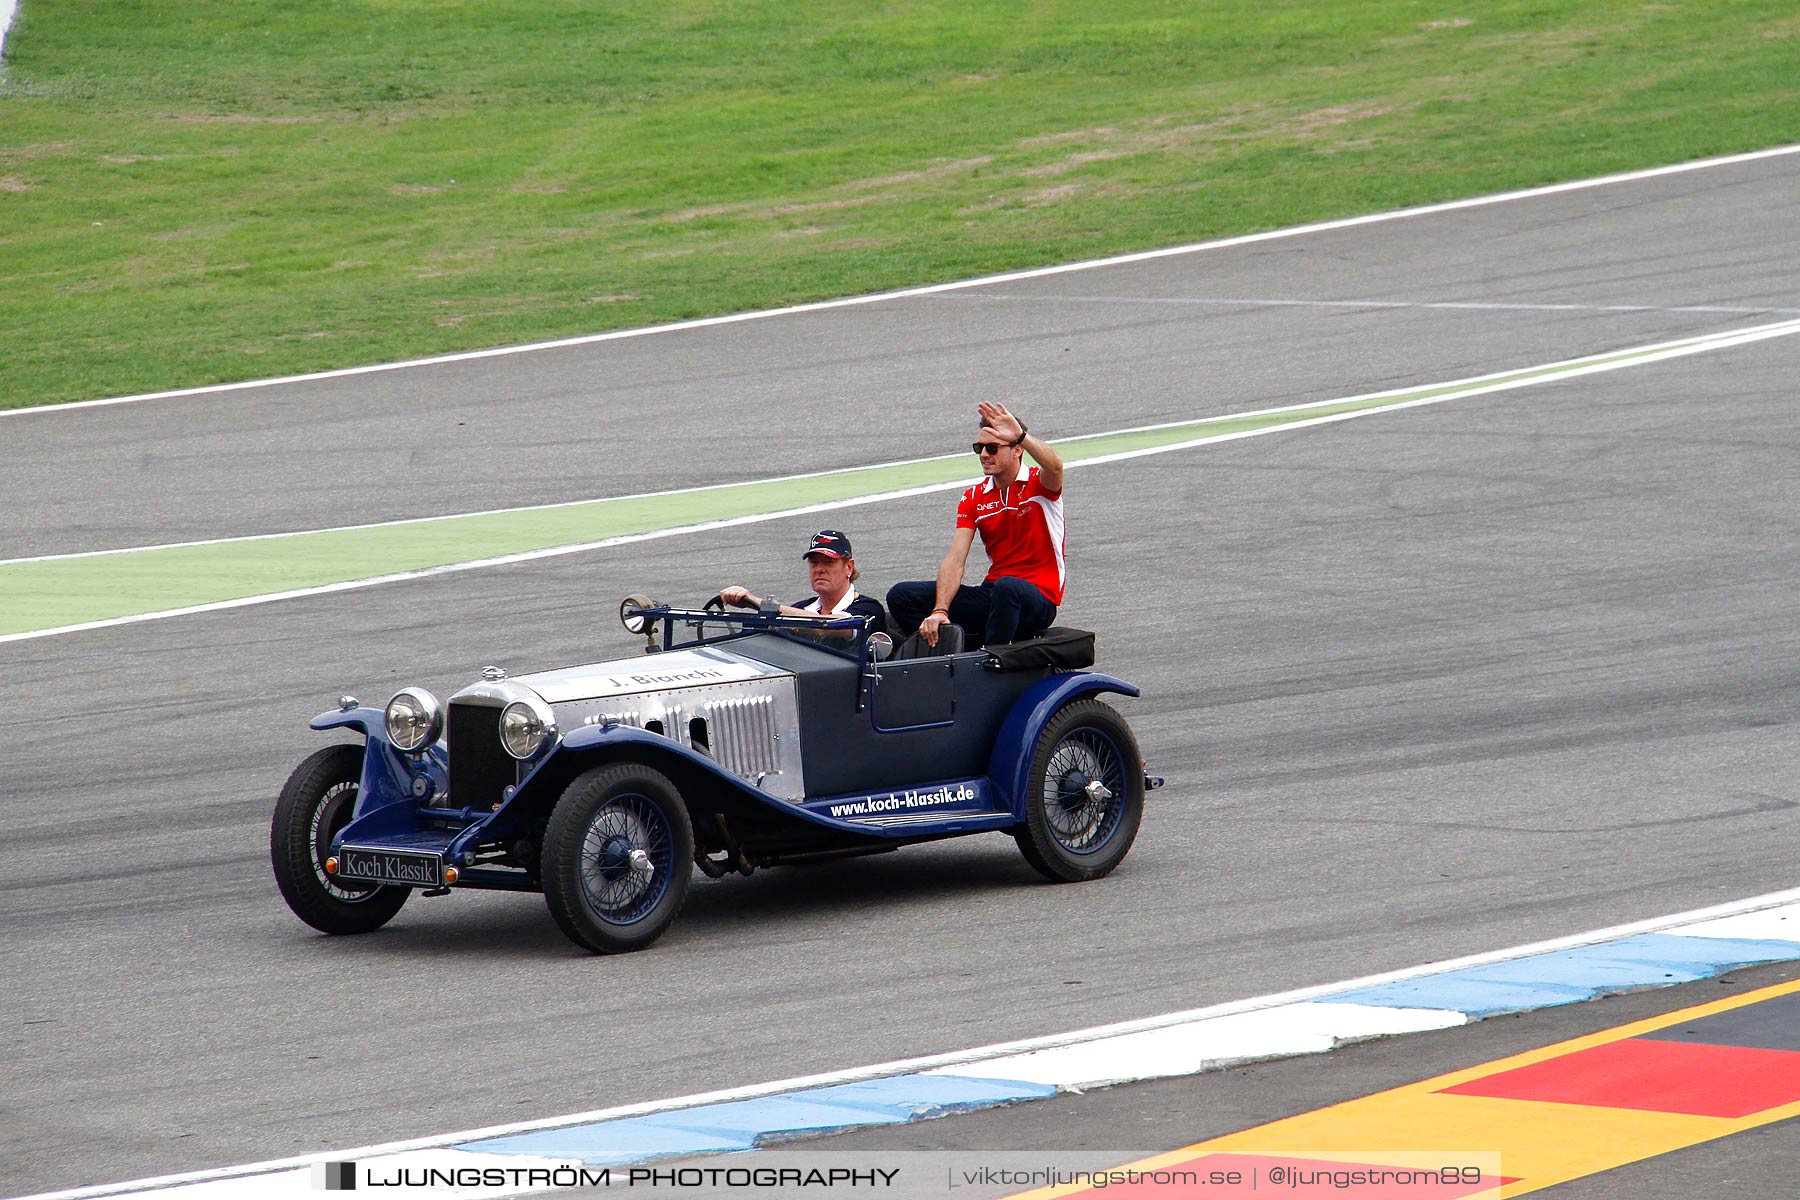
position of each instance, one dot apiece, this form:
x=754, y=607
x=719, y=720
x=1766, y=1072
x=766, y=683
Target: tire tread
x=291, y=848
x=1036, y=843
x=562, y=849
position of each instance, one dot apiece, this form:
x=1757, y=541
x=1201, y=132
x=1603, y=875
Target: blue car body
x=888, y=753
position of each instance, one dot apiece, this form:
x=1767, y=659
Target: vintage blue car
x=736, y=741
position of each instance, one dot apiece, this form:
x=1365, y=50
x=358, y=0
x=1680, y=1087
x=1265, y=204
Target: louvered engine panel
x=752, y=728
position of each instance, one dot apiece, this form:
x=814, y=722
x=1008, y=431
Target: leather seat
x=950, y=641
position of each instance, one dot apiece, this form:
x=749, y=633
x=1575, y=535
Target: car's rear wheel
x=317, y=801
x=1085, y=796
x=617, y=858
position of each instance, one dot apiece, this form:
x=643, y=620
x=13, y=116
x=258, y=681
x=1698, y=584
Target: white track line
x=525, y=508
x=939, y=1061
x=936, y=289
x=1468, y=305
x=1476, y=386
x=1651, y=352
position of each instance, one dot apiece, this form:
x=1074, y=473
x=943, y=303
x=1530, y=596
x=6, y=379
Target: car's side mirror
x=636, y=622
x=881, y=647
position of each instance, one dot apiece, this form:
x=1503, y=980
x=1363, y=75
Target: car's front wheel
x=617, y=855
x=1085, y=796
x=317, y=801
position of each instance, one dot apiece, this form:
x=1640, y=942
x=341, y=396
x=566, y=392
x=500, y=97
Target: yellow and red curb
x=1531, y=1121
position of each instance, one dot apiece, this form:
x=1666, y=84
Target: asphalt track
x=48, y=596
x=1425, y=683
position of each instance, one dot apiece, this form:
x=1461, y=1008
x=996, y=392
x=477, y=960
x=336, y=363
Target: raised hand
x=995, y=417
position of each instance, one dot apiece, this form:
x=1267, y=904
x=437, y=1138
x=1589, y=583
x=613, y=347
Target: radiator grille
x=480, y=768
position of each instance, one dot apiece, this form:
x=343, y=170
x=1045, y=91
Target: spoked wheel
x=617, y=857
x=1086, y=794
x=318, y=801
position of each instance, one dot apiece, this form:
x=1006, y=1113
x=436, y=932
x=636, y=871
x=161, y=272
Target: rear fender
x=1010, y=765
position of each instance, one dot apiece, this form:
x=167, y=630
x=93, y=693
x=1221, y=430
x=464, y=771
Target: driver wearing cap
x=833, y=574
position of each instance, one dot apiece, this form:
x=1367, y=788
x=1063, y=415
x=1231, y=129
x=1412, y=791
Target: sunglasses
x=986, y=447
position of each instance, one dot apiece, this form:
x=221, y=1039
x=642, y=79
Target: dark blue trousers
x=991, y=614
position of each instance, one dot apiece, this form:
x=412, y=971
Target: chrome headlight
x=526, y=727
x=414, y=719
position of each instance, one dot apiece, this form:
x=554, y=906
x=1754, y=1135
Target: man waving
x=1020, y=520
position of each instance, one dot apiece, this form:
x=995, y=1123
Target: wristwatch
x=1023, y=430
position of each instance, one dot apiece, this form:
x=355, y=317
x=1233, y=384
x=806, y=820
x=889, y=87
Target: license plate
x=390, y=866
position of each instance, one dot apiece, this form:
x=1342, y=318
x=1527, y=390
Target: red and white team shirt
x=1021, y=529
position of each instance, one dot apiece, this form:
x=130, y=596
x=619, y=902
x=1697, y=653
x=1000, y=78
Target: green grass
x=213, y=190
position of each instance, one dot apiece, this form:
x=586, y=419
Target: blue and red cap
x=829, y=542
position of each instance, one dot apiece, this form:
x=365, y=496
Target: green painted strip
x=55, y=593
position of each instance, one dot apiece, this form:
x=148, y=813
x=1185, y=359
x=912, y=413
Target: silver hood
x=742, y=713
x=702, y=666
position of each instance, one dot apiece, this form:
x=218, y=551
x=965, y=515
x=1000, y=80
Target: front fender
x=362, y=718
x=1009, y=767
x=386, y=776
x=580, y=747
x=590, y=737
x=584, y=746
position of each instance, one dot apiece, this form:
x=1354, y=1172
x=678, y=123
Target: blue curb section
x=1515, y=985
x=1568, y=976
x=743, y=1124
